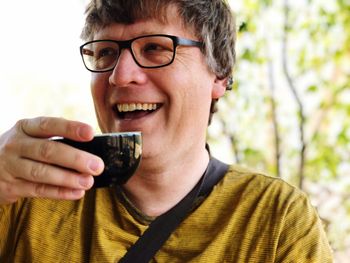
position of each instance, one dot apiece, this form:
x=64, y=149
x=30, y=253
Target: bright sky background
x=40, y=61
x=41, y=72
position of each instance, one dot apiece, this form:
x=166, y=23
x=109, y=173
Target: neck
x=155, y=190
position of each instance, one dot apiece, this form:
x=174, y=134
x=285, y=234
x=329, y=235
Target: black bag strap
x=161, y=228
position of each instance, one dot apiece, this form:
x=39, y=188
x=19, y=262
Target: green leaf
x=312, y=89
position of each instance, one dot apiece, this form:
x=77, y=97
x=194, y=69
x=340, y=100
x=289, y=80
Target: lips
x=131, y=111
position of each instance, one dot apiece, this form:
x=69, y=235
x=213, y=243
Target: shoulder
x=245, y=181
x=265, y=201
x=250, y=193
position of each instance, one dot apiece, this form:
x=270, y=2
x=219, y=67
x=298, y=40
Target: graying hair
x=212, y=21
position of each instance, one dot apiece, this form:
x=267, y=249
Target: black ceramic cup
x=121, y=153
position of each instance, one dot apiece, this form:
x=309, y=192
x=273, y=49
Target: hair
x=212, y=21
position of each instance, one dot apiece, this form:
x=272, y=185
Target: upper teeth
x=136, y=106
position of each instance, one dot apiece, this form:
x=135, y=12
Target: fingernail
x=78, y=193
x=85, y=181
x=94, y=165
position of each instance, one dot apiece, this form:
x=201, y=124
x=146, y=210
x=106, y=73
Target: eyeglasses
x=150, y=51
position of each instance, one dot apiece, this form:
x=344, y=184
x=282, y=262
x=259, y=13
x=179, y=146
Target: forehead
x=172, y=24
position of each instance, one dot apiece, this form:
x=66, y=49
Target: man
x=158, y=67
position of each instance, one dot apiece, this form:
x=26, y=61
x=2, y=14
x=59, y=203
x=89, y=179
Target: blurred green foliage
x=261, y=117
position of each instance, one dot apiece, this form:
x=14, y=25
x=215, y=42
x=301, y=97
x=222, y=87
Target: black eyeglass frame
x=177, y=41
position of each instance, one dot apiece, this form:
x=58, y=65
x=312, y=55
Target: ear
x=219, y=87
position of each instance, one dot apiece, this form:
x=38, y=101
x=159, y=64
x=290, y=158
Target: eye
x=156, y=47
x=87, y=52
x=153, y=47
x=107, y=52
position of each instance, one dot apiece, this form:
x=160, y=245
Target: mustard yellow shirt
x=248, y=217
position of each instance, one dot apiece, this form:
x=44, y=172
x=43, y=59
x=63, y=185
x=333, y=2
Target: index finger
x=45, y=127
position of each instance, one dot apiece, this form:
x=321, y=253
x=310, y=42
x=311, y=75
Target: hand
x=31, y=165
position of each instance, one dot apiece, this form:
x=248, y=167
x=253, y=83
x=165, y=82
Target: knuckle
x=37, y=171
x=62, y=193
x=78, y=159
x=46, y=150
x=8, y=193
x=9, y=141
x=8, y=146
x=20, y=124
x=8, y=172
x=39, y=190
x=71, y=128
x=44, y=123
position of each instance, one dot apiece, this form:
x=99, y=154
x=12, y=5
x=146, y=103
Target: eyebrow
x=146, y=31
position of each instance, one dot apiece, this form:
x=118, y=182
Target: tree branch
x=233, y=142
x=274, y=117
x=291, y=85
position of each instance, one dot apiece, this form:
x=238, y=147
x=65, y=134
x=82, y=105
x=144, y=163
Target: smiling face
x=169, y=105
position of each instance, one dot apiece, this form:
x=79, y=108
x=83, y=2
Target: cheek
x=98, y=89
x=194, y=101
x=98, y=92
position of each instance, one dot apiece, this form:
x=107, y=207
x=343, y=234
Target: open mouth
x=130, y=111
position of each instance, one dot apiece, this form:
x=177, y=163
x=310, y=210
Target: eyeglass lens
x=148, y=51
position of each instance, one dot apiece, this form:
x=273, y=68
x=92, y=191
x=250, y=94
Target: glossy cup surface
x=120, y=152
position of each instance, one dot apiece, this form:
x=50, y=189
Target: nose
x=126, y=71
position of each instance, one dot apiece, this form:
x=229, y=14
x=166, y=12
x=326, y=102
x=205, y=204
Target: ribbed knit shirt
x=248, y=217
